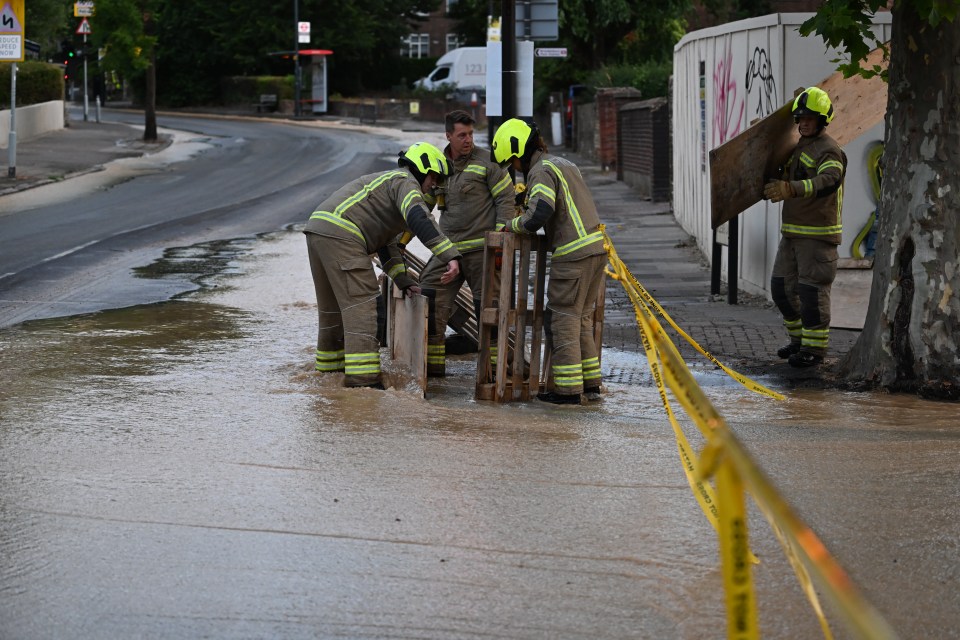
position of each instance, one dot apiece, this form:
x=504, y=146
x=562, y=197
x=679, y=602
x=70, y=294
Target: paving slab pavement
x=80, y=148
x=660, y=254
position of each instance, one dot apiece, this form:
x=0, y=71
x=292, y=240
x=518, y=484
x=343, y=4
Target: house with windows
x=435, y=36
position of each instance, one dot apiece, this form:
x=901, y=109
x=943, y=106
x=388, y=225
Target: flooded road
x=178, y=470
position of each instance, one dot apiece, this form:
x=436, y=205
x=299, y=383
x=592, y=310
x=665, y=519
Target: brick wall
x=644, y=148
x=608, y=104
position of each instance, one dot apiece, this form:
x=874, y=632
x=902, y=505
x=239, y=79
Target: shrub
x=246, y=90
x=651, y=78
x=36, y=82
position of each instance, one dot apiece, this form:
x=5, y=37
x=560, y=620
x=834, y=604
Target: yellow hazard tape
x=725, y=458
x=624, y=275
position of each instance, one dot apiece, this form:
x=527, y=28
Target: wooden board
x=742, y=165
x=859, y=104
x=408, y=336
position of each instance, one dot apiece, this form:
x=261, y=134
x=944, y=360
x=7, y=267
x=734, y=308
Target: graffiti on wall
x=727, y=104
x=760, y=77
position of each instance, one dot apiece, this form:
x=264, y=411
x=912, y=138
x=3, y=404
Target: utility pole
x=296, y=58
x=12, y=135
x=86, y=101
x=508, y=38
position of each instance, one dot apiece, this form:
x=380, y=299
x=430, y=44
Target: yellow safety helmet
x=813, y=101
x=422, y=158
x=513, y=139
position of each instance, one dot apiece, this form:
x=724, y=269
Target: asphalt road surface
x=70, y=247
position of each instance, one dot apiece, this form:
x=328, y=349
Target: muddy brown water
x=178, y=470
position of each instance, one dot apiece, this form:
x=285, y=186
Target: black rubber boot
x=788, y=350
x=559, y=398
x=592, y=394
x=804, y=359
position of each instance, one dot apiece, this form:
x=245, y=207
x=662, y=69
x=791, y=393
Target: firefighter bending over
x=362, y=218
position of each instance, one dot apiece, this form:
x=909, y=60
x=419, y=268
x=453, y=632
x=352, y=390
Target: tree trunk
x=910, y=338
x=150, y=99
x=150, y=104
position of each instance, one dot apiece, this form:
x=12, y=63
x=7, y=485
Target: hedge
x=36, y=82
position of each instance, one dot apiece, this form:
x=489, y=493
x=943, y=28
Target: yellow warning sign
x=11, y=31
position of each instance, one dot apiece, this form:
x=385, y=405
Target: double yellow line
x=725, y=459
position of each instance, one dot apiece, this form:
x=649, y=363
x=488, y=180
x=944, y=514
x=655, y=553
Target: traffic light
x=68, y=57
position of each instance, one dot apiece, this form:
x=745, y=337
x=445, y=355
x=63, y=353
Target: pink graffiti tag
x=725, y=126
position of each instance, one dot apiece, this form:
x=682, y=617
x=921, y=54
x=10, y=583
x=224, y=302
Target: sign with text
x=11, y=31
x=559, y=52
x=83, y=9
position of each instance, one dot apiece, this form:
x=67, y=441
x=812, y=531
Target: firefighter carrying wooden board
x=364, y=217
x=559, y=201
x=811, y=188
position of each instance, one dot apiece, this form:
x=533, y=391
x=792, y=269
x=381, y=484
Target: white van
x=464, y=69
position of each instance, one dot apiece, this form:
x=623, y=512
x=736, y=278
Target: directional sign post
x=84, y=29
x=556, y=52
x=11, y=50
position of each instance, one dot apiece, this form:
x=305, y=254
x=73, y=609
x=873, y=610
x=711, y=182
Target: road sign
x=303, y=32
x=83, y=9
x=556, y=52
x=84, y=28
x=11, y=31
x=537, y=20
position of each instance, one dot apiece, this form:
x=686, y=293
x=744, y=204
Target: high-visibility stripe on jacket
x=375, y=209
x=816, y=171
x=478, y=196
x=559, y=200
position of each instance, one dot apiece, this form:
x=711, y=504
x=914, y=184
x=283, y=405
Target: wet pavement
x=178, y=470
x=664, y=258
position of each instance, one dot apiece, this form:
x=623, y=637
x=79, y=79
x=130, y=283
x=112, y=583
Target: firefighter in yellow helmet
x=559, y=201
x=364, y=217
x=811, y=188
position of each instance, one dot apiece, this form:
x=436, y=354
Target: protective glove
x=412, y=290
x=777, y=190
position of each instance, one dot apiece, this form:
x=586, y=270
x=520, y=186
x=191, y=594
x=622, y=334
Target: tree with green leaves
x=47, y=23
x=127, y=32
x=911, y=337
x=610, y=42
